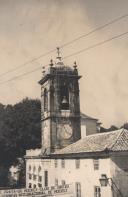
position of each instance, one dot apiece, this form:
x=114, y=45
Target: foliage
x=4, y=182
x=125, y=126
x=22, y=173
x=20, y=129
x=112, y=128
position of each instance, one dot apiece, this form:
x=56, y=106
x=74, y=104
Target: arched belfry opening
x=64, y=94
x=45, y=100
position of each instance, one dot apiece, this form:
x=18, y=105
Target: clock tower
x=60, y=106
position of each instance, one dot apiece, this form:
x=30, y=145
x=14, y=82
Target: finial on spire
x=58, y=51
x=43, y=71
x=58, y=54
x=75, y=65
x=51, y=63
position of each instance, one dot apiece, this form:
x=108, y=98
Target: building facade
x=73, y=150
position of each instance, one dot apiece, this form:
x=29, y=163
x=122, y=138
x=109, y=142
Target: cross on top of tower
x=58, y=54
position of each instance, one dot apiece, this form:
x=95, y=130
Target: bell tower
x=60, y=106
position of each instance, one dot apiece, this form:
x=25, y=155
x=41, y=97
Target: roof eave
x=81, y=154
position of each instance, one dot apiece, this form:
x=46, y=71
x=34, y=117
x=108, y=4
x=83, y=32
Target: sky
x=33, y=27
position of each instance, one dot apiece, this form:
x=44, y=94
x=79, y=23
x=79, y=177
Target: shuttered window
x=45, y=178
x=63, y=163
x=40, y=178
x=78, y=189
x=63, y=182
x=56, y=163
x=56, y=182
x=97, y=191
x=96, y=164
x=77, y=161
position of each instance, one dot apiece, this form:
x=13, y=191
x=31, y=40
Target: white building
x=67, y=155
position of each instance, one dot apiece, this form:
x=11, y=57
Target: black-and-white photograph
x=63, y=98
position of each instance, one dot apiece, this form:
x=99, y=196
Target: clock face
x=65, y=131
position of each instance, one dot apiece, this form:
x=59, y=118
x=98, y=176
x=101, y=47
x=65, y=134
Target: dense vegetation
x=19, y=129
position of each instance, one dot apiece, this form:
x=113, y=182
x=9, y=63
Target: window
x=30, y=176
x=62, y=163
x=78, y=189
x=34, y=169
x=45, y=100
x=96, y=164
x=45, y=178
x=30, y=185
x=97, y=191
x=63, y=182
x=34, y=186
x=64, y=96
x=77, y=163
x=39, y=169
x=39, y=185
x=56, y=163
x=34, y=177
x=29, y=168
x=56, y=182
x=40, y=178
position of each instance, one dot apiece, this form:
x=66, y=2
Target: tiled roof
x=111, y=141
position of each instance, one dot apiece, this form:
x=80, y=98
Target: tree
x=20, y=129
x=125, y=126
x=112, y=128
x=3, y=176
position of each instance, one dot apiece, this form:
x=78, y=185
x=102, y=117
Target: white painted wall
x=86, y=175
x=33, y=152
x=89, y=127
x=83, y=131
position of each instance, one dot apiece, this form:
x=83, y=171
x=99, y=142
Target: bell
x=64, y=104
x=64, y=101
